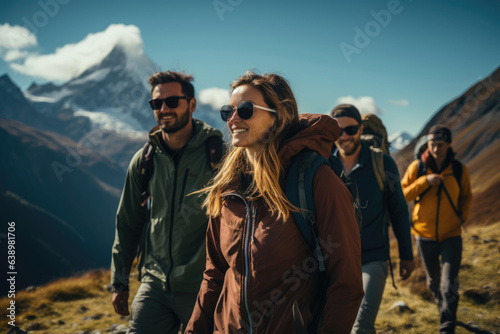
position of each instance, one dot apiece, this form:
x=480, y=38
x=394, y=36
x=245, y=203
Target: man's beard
x=355, y=145
x=179, y=124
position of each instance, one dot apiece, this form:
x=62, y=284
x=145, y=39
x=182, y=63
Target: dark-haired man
x=378, y=207
x=440, y=186
x=157, y=218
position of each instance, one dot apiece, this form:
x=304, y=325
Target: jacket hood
x=315, y=132
x=201, y=132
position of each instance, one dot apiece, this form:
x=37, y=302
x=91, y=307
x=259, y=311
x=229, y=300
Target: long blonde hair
x=264, y=166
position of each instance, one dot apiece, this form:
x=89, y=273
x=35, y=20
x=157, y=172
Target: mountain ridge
x=63, y=198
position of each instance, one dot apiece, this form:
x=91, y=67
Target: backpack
x=299, y=191
x=374, y=132
x=375, y=136
x=214, y=148
x=420, y=147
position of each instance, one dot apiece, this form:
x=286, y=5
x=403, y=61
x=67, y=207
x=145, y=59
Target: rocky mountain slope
x=62, y=197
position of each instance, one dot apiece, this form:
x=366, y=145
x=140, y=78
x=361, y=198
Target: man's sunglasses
x=244, y=110
x=350, y=130
x=170, y=102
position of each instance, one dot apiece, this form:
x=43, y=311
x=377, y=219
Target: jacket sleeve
x=202, y=318
x=341, y=246
x=465, y=198
x=412, y=187
x=398, y=209
x=130, y=220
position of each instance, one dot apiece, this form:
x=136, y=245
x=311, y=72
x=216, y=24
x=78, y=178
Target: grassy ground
x=479, y=305
x=70, y=305
x=61, y=306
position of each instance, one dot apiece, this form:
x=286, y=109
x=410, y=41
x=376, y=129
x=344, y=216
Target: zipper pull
x=254, y=217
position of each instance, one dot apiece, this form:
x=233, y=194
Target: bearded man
x=378, y=208
x=156, y=217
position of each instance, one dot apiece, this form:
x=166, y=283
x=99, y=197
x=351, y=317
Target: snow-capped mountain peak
x=399, y=140
x=116, y=89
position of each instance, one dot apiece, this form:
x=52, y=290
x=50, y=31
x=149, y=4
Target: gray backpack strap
x=377, y=157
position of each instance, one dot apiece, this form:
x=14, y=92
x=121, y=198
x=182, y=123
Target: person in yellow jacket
x=440, y=186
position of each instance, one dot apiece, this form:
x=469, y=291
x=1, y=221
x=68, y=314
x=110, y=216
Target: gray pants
x=374, y=276
x=156, y=311
x=442, y=276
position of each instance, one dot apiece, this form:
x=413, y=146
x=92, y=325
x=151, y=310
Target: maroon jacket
x=258, y=266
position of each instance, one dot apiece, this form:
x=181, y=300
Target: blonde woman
x=261, y=276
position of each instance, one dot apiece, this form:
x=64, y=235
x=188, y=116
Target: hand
x=434, y=179
x=120, y=302
x=406, y=268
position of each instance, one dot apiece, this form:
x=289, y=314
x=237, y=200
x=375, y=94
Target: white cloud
x=71, y=60
x=365, y=104
x=215, y=97
x=16, y=37
x=399, y=103
x=15, y=54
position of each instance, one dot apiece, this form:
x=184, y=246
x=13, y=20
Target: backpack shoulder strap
x=421, y=171
x=377, y=157
x=299, y=191
x=421, y=168
x=457, y=172
x=147, y=165
x=214, y=150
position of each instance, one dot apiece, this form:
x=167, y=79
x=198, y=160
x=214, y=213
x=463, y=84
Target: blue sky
x=404, y=59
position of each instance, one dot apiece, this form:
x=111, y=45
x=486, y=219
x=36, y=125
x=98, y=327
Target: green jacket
x=173, y=229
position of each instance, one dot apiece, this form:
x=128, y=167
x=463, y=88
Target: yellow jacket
x=427, y=221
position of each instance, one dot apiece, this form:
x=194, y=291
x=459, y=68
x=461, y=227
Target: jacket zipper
x=183, y=188
x=437, y=213
x=250, y=210
x=172, y=219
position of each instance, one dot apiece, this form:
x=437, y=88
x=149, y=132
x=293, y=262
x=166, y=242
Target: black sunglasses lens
x=245, y=110
x=351, y=130
x=170, y=102
x=155, y=104
x=225, y=112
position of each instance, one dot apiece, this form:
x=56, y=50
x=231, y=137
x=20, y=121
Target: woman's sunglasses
x=350, y=130
x=244, y=110
x=170, y=102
